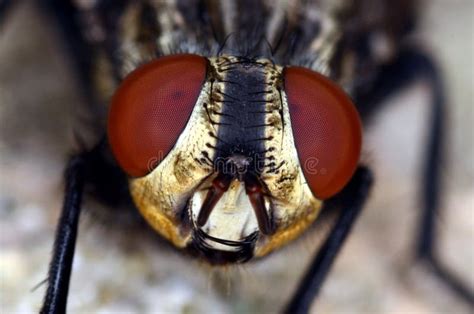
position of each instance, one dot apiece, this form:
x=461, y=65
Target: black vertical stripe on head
x=252, y=19
x=241, y=130
x=242, y=33
x=149, y=29
x=302, y=27
x=197, y=16
x=110, y=13
x=211, y=10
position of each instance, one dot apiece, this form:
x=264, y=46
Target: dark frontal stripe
x=242, y=122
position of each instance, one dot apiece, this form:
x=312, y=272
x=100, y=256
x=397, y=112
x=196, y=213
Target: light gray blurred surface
x=116, y=271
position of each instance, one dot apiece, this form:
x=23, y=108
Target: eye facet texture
x=326, y=128
x=150, y=109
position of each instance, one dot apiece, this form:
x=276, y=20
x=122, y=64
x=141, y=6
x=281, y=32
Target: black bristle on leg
x=65, y=240
x=94, y=173
x=353, y=199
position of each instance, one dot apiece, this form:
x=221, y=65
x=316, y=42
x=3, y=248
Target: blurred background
x=118, y=271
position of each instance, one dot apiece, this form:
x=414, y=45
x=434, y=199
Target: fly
x=233, y=124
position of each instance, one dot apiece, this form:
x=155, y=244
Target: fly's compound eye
x=151, y=108
x=326, y=129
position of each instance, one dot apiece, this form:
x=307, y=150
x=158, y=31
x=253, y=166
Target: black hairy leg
x=65, y=239
x=351, y=200
x=92, y=172
x=411, y=65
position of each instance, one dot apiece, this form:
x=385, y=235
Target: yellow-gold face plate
x=170, y=197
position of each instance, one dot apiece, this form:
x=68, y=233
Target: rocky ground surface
x=119, y=271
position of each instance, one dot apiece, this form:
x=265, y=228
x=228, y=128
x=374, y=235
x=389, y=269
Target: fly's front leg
x=65, y=239
x=95, y=170
x=411, y=65
x=352, y=200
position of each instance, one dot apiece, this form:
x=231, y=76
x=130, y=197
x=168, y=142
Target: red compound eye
x=150, y=109
x=326, y=128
